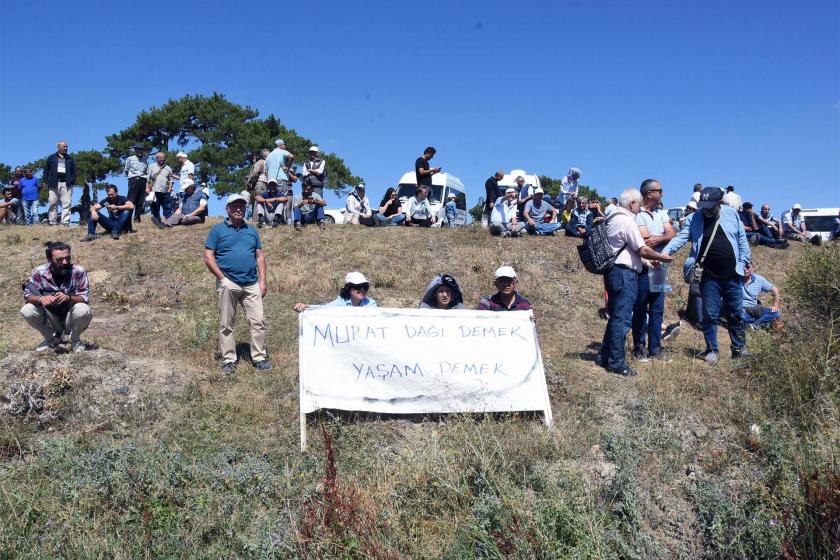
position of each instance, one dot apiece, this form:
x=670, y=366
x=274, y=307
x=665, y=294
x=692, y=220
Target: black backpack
x=595, y=252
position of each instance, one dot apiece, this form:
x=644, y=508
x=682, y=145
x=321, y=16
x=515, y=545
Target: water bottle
x=658, y=278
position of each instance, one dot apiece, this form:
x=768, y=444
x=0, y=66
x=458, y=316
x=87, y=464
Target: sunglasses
x=360, y=287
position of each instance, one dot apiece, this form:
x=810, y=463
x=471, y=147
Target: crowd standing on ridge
x=639, y=234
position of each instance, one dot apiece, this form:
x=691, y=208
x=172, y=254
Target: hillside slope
x=149, y=452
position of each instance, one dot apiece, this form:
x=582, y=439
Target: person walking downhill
x=233, y=254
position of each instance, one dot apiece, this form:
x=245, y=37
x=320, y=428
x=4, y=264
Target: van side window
x=460, y=200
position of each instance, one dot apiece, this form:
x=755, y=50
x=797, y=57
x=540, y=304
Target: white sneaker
x=46, y=345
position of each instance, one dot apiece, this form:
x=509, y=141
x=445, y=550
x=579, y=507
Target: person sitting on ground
x=540, y=216
x=594, y=206
x=795, y=227
x=580, y=221
x=357, y=210
x=566, y=212
x=690, y=209
x=193, y=206
x=309, y=208
x=611, y=207
x=450, y=210
x=506, y=297
x=353, y=294
x=443, y=292
x=270, y=205
x=9, y=207
x=419, y=209
x=768, y=224
x=751, y=226
x=118, y=217
x=503, y=220
x=755, y=314
x=390, y=209
x=57, y=297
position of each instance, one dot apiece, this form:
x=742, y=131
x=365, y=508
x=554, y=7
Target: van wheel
x=329, y=219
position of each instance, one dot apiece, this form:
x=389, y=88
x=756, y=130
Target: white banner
x=408, y=361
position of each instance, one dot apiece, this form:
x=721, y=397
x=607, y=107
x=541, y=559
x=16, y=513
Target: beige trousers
x=63, y=194
x=76, y=323
x=231, y=294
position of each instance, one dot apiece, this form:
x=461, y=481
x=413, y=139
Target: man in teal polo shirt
x=233, y=253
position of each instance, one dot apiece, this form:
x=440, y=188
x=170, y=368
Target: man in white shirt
x=611, y=207
x=621, y=282
x=187, y=171
x=733, y=199
x=569, y=184
x=503, y=220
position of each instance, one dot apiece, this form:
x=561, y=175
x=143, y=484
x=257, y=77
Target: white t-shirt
x=186, y=170
x=622, y=229
x=732, y=199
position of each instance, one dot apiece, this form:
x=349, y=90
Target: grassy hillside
x=142, y=449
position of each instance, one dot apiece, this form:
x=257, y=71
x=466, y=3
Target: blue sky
x=742, y=93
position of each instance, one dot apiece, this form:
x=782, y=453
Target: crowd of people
x=719, y=227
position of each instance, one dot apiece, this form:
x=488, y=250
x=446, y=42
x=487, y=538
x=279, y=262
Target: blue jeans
x=767, y=316
x=163, y=200
x=572, y=231
x=835, y=233
x=622, y=285
x=762, y=239
x=113, y=225
x=731, y=293
x=30, y=212
x=392, y=220
x=542, y=228
x=317, y=215
x=647, y=316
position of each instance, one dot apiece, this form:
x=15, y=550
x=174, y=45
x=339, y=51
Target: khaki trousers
x=231, y=294
x=63, y=194
x=76, y=322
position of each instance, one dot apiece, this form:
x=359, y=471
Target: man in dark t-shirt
x=422, y=171
x=118, y=216
x=491, y=193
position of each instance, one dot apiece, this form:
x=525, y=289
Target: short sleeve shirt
x=119, y=202
x=236, y=251
x=186, y=170
x=391, y=207
x=621, y=230
x=421, y=163
x=537, y=213
x=307, y=208
x=753, y=290
x=655, y=223
x=29, y=189
x=160, y=175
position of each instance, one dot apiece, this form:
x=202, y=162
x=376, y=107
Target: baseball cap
x=452, y=195
x=709, y=197
x=181, y=154
x=797, y=206
x=187, y=183
x=505, y=272
x=355, y=278
x=314, y=149
x=510, y=190
x=279, y=142
x=747, y=205
x=234, y=197
x=538, y=190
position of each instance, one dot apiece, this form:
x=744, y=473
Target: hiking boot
x=322, y=225
x=661, y=357
x=275, y=222
x=641, y=355
x=46, y=345
x=626, y=371
x=157, y=222
x=598, y=361
x=672, y=331
x=739, y=354
x=263, y=365
x=297, y=226
x=89, y=237
x=229, y=368
x=709, y=356
x=115, y=236
x=78, y=346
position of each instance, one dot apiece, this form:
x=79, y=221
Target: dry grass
x=629, y=471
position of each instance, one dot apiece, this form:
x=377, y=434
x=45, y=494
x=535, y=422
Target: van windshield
x=407, y=190
x=820, y=223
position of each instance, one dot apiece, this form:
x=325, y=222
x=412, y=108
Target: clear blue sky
x=741, y=93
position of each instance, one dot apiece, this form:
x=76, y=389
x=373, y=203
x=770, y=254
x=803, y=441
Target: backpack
x=595, y=252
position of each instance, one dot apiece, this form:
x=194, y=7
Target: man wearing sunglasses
x=57, y=297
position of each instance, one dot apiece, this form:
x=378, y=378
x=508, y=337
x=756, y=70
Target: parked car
x=442, y=185
x=333, y=216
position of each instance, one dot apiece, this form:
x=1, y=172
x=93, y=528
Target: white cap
x=279, y=142
x=452, y=195
x=234, y=197
x=182, y=154
x=510, y=190
x=355, y=278
x=797, y=206
x=692, y=204
x=187, y=183
x=505, y=272
x=538, y=190
x=314, y=149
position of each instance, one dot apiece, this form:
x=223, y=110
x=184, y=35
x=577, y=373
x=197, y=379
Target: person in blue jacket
x=719, y=229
